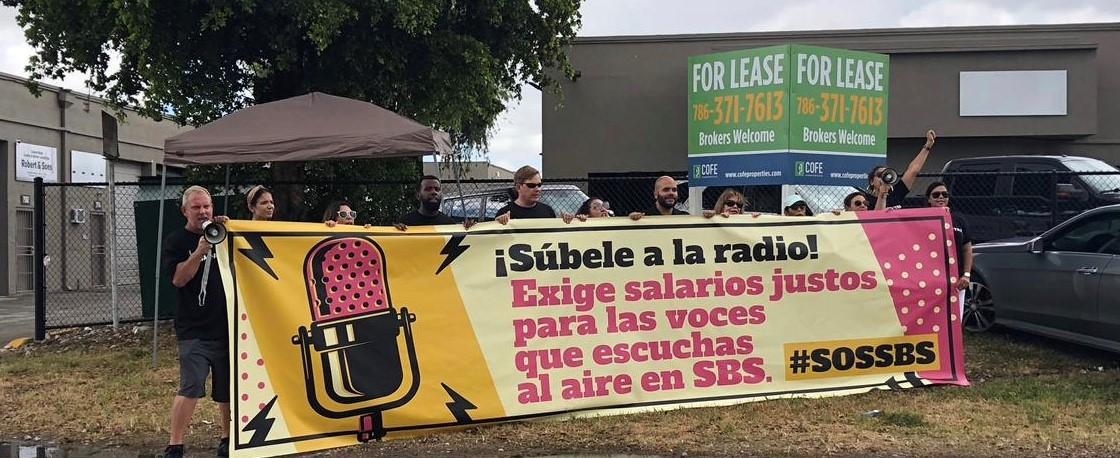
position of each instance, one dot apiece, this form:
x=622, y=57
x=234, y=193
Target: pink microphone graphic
x=355, y=332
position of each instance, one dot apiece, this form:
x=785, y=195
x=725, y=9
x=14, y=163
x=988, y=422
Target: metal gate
x=25, y=250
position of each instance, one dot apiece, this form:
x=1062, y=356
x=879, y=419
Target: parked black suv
x=1012, y=196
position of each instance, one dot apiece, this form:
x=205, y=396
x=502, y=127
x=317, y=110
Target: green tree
x=446, y=63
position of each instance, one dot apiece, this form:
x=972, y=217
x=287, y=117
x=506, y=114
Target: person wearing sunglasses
x=339, y=212
x=730, y=202
x=794, y=205
x=594, y=208
x=527, y=184
x=937, y=195
x=858, y=201
x=895, y=195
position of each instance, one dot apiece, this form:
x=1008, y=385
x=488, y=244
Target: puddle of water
x=15, y=450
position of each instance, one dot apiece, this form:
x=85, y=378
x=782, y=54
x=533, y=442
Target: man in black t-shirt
x=430, y=196
x=896, y=194
x=200, y=319
x=664, y=200
x=527, y=183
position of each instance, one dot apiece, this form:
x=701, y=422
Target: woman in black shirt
x=937, y=194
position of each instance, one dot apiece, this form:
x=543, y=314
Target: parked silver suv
x=484, y=205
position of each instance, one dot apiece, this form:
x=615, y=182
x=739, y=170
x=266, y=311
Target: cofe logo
x=705, y=170
x=810, y=168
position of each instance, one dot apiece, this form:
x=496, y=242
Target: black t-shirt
x=961, y=237
x=195, y=320
x=894, y=199
x=654, y=211
x=419, y=219
x=540, y=210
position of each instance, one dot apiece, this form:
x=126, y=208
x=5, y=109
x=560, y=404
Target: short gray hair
x=191, y=191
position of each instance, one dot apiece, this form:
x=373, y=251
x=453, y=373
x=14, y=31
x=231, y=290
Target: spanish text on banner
x=341, y=335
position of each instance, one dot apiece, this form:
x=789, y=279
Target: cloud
x=829, y=15
x=516, y=138
x=15, y=53
x=14, y=50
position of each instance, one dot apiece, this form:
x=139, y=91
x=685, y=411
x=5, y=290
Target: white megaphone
x=214, y=232
x=889, y=176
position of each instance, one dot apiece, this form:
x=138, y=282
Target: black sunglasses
x=799, y=205
x=859, y=203
x=939, y=194
x=732, y=203
x=532, y=185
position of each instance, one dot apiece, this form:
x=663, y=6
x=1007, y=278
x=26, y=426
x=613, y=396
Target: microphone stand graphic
x=355, y=331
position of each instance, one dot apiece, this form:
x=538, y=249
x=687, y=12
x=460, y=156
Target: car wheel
x=979, y=309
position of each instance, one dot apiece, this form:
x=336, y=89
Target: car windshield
x=823, y=198
x=563, y=200
x=1098, y=183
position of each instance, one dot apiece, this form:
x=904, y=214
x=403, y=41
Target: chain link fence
x=89, y=255
x=99, y=241
x=996, y=205
x=1000, y=205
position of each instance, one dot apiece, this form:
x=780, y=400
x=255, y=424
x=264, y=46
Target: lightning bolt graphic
x=452, y=250
x=260, y=425
x=258, y=252
x=458, y=405
x=911, y=377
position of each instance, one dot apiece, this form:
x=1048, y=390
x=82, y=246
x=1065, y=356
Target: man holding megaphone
x=200, y=319
x=886, y=188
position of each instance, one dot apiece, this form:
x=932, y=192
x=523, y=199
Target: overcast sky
x=516, y=139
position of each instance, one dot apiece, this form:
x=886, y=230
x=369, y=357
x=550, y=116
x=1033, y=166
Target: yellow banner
x=342, y=335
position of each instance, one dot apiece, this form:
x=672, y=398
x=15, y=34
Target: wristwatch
x=968, y=275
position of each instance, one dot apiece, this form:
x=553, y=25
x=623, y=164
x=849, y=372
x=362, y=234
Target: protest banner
x=345, y=334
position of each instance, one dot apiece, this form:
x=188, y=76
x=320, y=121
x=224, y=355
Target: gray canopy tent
x=309, y=127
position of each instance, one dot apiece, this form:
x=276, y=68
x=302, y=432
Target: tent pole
x=225, y=202
x=457, y=167
x=159, y=254
x=111, y=166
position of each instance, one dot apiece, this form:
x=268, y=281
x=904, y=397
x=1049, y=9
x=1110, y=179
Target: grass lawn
x=1031, y=397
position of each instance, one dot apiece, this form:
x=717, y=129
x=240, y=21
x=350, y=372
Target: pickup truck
x=1023, y=196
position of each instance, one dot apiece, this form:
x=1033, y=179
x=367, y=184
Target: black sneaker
x=174, y=451
x=223, y=447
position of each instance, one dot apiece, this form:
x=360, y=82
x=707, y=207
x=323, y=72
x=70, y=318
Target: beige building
x=1037, y=89
x=57, y=136
x=474, y=170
